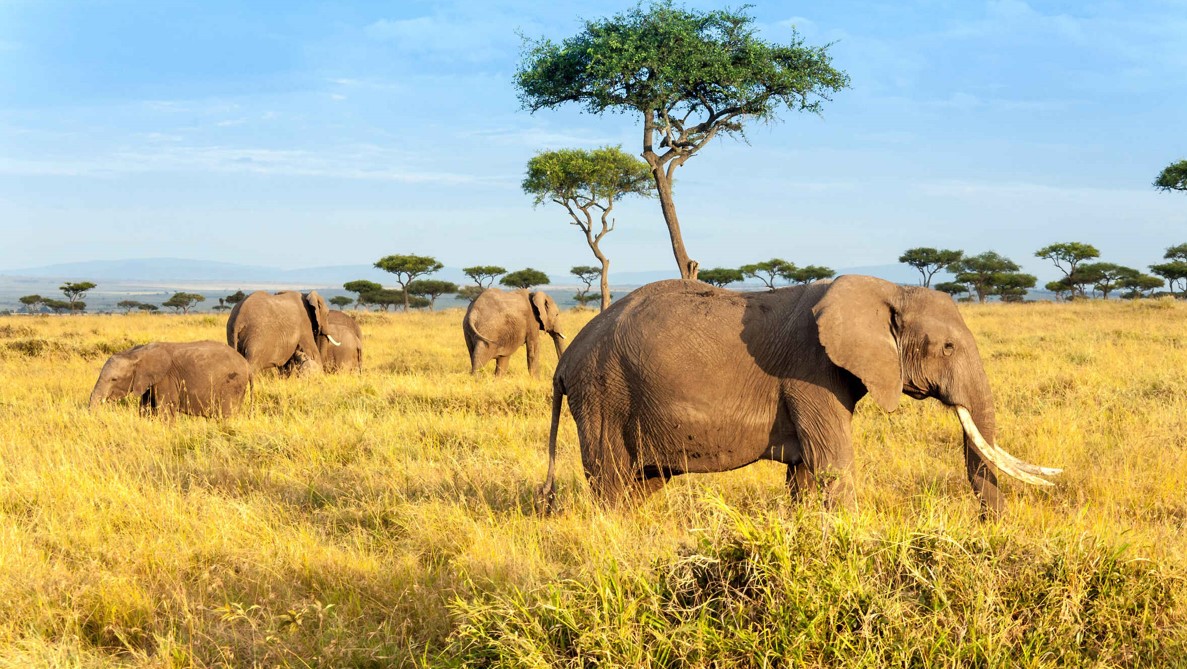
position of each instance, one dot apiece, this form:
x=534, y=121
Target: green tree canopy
x=930, y=261
x=385, y=298
x=588, y=183
x=361, y=286
x=1174, y=271
x=75, y=291
x=341, y=301
x=146, y=307
x=525, y=278
x=953, y=288
x=31, y=301
x=235, y=297
x=128, y=305
x=1061, y=288
x=1067, y=257
x=721, y=276
x=983, y=272
x=58, y=306
x=431, y=289
x=183, y=302
x=1106, y=276
x=1012, y=286
x=767, y=271
x=690, y=74
x=484, y=275
x=808, y=274
x=470, y=293
x=1174, y=177
x=407, y=268
x=1140, y=286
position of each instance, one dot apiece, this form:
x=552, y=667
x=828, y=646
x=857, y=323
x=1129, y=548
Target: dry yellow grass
x=376, y=519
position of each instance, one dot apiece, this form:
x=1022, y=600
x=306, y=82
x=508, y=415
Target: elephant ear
x=857, y=320
x=150, y=365
x=319, y=311
x=539, y=301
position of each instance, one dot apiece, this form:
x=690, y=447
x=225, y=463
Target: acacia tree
x=431, y=289
x=1105, y=276
x=1067, y=257
x=361, y=288
x=953, y=288
x=984, y=272
x=584, y=181
x=470, y=293
x=183, y=302
x=767, y=271
x=1175, y=270
x=930, y=261
x=128, y=305
x=808, y=274
x=484, y=275
x=341, y=301
x=235, y=298
x=525, y=278
x=407, y=268
x=74, y=293
x=1139, y=286
x=721, y=276
x=587, y=274
x=1174, y=177
x=691, y=74
x=31, y=301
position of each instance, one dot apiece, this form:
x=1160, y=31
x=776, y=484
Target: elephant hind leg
x=501, y=364
x=480, y=354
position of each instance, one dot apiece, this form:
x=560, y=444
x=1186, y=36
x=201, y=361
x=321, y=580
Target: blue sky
x=304, y=134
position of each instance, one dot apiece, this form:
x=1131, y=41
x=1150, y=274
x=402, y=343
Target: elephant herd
x=676, y=377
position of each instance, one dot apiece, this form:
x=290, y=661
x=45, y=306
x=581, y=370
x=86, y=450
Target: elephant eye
x=949, y=347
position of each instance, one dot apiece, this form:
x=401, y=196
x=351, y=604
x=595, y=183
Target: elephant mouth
x=915, y=392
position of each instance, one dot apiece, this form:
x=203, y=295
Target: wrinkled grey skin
x=498, y=323
x=201, y=378
x=269, y=330
x=682, y=377
x=348, y=356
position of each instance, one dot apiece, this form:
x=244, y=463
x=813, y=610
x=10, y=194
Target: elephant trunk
x=558, y=340
x=98, y=395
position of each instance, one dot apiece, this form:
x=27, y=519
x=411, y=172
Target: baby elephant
x=201, y=378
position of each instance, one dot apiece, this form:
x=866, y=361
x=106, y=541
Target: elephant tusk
x=1008, y=464
x=333, y=341
x=560, y=335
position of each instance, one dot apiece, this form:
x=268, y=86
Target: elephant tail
x=546, y=495
x=251, y=394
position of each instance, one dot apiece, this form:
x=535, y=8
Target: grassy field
x=385, y=519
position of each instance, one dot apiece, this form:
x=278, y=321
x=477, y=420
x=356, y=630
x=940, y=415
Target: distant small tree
x=1061, y=288
x=341, y=301
x=768, y=271
x=384, y=298
x=953, y=288
x=1012, y=286
x=222, y=305
x=981, y=272
x=128, y=305
x=1139, y=286
x=407, y=268
x=587, y=184
x=808, y=274
x=32, y=301
x=361, y=288
x=1106, y=276
x=432, y=289
x=147, y=308
x=470, y=293
x=930, y=261
x=58, y=306
x=74, y=292
x=235, y=298
x=183, y=302
x=720, y=276
x=587, y=274
x=1174, y=177
x=484, y=275
x=1175, y=270
x=1067, y=257
x=525, y=278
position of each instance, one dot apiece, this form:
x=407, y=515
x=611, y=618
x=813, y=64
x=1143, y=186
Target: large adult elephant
x=347, y=356
x=280, y=330
x=202, y=378
x=682, y=377
x=497, y=323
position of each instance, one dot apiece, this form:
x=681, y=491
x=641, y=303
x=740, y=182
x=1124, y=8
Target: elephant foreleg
x=826, y=442
x=501, y=363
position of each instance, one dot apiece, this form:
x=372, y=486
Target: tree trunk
x=663, y=186
x=605, y=280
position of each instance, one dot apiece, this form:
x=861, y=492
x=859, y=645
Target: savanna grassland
x=385, y=519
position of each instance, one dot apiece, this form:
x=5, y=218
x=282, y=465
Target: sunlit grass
x=386, y=518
